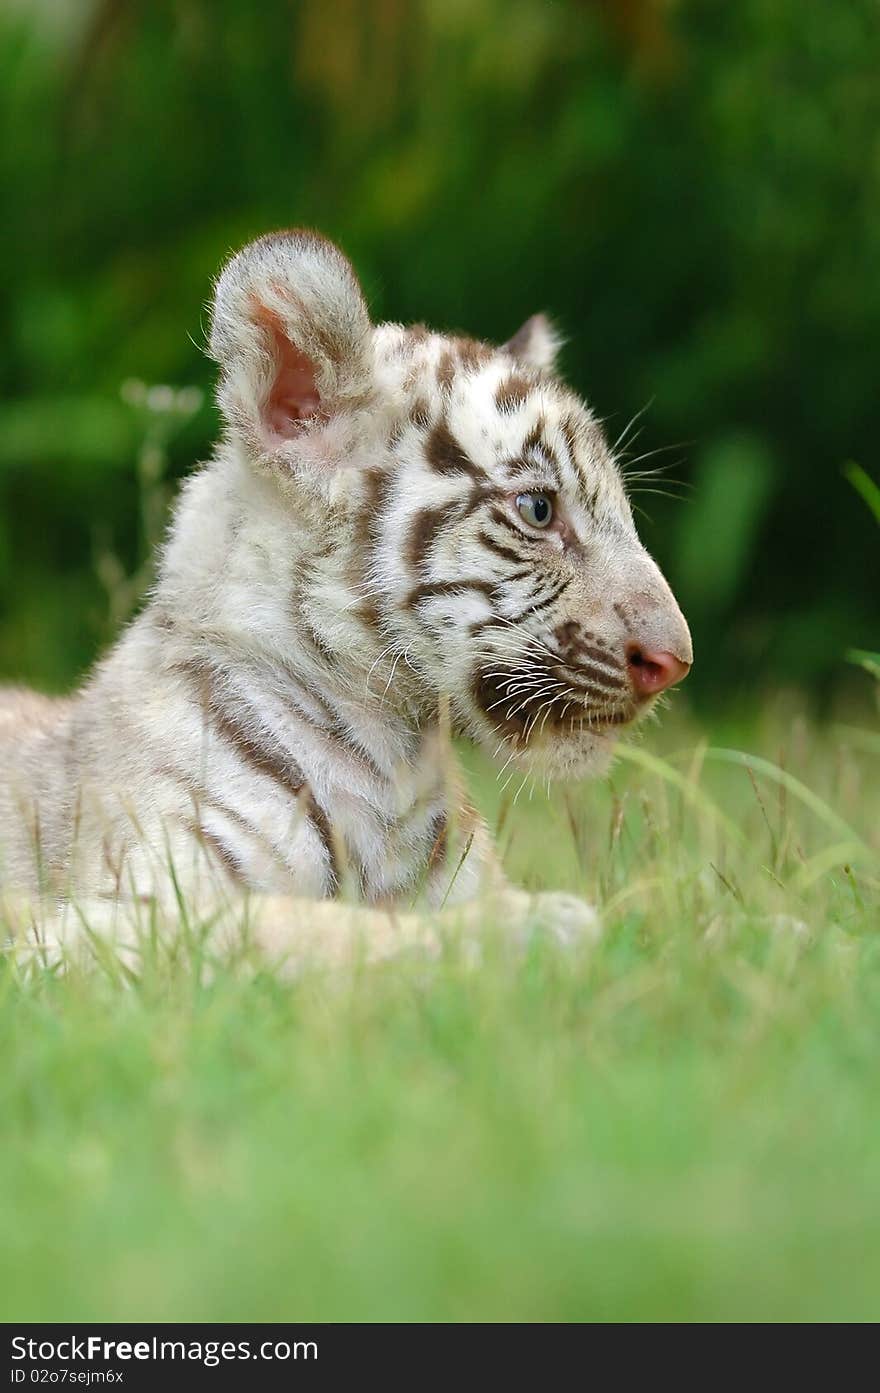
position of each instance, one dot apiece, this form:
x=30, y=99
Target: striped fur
x=347, y=577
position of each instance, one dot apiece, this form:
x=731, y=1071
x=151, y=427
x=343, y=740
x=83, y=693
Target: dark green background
x=693, y=189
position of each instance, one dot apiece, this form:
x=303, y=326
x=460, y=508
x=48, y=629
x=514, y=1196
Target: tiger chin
x=401, y=532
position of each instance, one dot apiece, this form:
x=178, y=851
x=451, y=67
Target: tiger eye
x=536, y=509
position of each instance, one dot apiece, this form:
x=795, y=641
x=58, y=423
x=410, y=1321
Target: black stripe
x=537, y=443
x=499, y=548
x=479, y=496
x=341, y=732
x=540, y=604
x=419, y=414
x=503, y=521
x=267, y=757
x=202, y=799
x=370, y=615
x=369, y=538
x=273, y=762
x=379, y=482
x=548, y=599
x=321, y=823
x=446, y=369
x=311, y=636
x=512, y=392
x=569, y=432
x=598, y=655
x=446, y=456
x=479, y=625
x=424, y=529
x=446, y=587
x=601, y=679
x=439, y=832
x=331, y=725
x=211, y=842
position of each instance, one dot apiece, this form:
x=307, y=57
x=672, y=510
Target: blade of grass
x=690, y=791
x=841, y=854
x=793, y=786
x=864, y=486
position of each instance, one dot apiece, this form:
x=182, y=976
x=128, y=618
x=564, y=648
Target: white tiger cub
x=402, y=533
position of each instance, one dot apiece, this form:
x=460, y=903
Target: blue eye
x=535, y=508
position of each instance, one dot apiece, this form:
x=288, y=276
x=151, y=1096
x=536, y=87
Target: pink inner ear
x=294, y=395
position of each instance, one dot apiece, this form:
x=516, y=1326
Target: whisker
x=619, y=442
x=625, y=462
x=661, y=493
x=520, y=789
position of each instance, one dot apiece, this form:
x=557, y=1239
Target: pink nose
x=651, y=673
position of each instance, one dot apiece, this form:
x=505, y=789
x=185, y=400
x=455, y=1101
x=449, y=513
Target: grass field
x=683, y=1123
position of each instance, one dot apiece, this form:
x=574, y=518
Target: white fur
x=278, y=717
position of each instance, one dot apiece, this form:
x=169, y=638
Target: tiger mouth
x=523, y=708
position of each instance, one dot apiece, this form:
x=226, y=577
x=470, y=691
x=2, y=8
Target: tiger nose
x=652, y=671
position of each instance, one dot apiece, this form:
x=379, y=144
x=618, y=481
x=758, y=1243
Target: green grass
x=683, y=1123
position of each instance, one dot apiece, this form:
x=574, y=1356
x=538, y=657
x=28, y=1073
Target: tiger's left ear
x=536, y=344
x=291, y=332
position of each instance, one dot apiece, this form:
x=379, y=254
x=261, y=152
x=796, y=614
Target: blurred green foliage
x=693, y=189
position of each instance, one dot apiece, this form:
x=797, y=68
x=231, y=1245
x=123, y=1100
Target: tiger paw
x=565, y=919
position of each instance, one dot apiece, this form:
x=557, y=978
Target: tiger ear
x=291, y=332
x=535, y=344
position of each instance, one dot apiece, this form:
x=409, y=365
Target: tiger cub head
x=463, y=511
